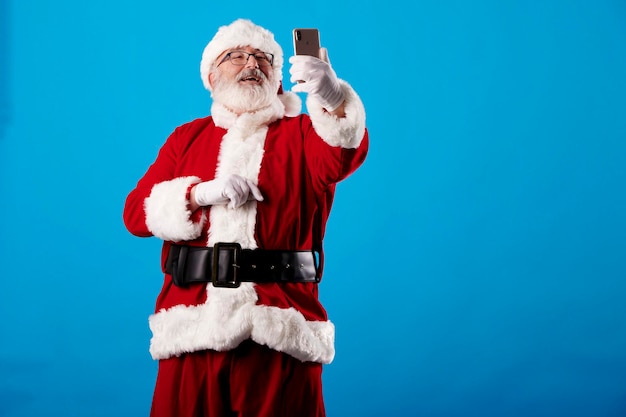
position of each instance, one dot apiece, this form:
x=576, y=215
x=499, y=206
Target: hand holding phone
x=311, y=70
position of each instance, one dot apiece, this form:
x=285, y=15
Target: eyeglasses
x=264, y=59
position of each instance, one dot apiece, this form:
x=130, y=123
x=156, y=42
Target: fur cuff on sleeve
x=346, y=132
x=167, y=213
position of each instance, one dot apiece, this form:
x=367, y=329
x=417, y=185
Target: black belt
x=227, y=264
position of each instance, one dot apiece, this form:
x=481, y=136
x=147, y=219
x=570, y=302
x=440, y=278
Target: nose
x=252, y=62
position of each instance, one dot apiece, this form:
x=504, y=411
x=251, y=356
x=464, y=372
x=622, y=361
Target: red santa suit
x=296, y=163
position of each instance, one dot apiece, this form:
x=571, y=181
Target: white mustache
x=247, y=73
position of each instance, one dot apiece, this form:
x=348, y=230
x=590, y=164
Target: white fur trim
x=347, y=131
x=231, y=316
x=167, y=212
x=241, y=153
x=241, y=32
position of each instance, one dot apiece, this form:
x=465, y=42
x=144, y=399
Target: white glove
x=317, y=78
x=233, y=190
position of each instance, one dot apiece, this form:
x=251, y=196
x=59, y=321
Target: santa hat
x=243, y=32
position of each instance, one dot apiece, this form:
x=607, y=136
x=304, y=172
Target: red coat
x=296, y=162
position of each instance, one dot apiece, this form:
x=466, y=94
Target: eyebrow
x=240, y=49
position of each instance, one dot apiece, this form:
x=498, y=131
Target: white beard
x=243, y=98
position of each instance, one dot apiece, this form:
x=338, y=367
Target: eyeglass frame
x=227, y=57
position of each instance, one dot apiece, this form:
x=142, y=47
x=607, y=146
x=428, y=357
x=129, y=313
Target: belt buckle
x=233, y=265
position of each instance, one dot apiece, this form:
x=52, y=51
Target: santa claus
x=241, y=199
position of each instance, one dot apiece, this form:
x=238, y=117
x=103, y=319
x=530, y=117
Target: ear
x=210, y=76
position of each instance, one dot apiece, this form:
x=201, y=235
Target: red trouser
x=249, y=381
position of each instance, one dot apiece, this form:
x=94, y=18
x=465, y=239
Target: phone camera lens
x=298, y=35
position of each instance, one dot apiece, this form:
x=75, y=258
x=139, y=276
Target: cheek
x=231, y=73
x=269, y=73
x=221, y=75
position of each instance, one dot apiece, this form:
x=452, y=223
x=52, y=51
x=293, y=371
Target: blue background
x=476, y=263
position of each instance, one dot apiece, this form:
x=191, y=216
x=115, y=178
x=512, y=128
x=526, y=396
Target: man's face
x=247, y=74
x=241, y=81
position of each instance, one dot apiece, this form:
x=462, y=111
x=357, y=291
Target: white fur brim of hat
x=241, y=32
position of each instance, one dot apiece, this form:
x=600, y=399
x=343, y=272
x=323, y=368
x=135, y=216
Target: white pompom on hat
x=241, y=33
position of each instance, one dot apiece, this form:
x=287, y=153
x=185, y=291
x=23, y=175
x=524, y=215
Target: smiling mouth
x=251, y=76
x=250, y=79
